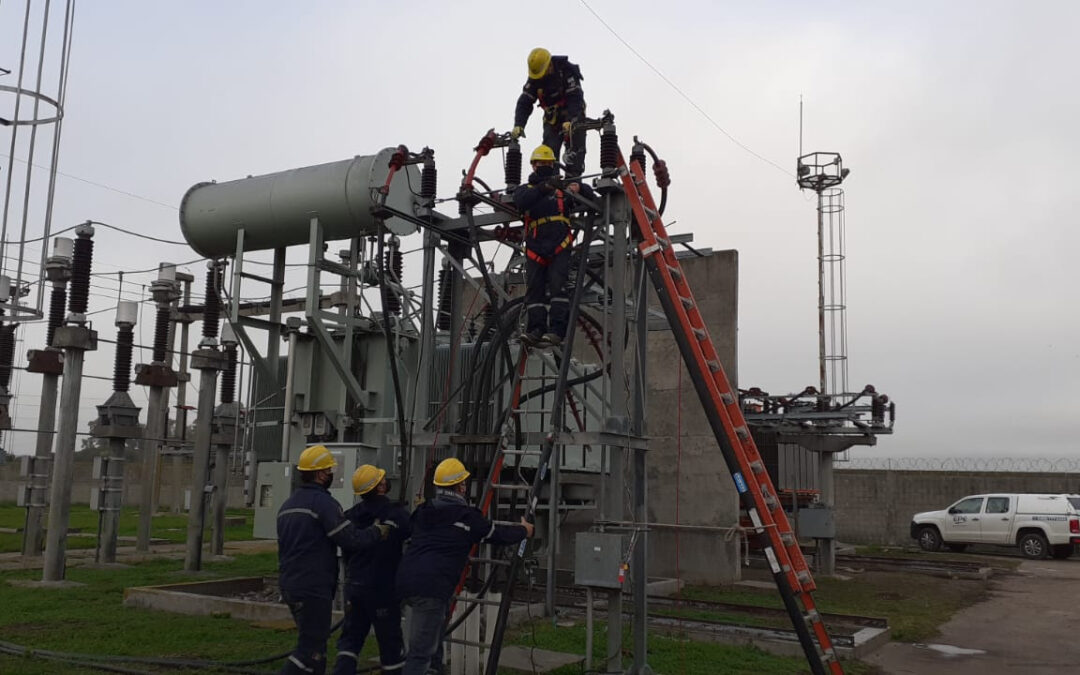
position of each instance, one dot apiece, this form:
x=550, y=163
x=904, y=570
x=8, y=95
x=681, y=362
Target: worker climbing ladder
x=721, y=404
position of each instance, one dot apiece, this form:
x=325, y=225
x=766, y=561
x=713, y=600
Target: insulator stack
x=609, y=150
x=663, y=178
x=489, y=314
x=7, y=353
x=513, y=165
x=56, y=312
x=429, y=180
x=212, y=309
x=394, y=264
x=637, y=154
x=228, y=376
x=161, y=334
x=463, y=206
x=442, y=322
x=80, y=273
x=125, y=339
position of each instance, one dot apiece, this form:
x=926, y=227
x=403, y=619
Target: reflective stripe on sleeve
x=306, y=512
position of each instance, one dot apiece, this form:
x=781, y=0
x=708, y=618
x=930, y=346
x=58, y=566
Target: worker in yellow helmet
x=545, y=208
x=370, y=602
x=554, y=84
x=310, y=527
x=444, y=530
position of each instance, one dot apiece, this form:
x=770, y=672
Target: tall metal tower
x=823, y=172
x=35, y=48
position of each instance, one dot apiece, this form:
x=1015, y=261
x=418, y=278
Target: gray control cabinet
x=597, y=559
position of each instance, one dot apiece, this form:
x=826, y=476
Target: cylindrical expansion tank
x=276, y=209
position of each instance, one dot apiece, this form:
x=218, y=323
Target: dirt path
x=1029, y=625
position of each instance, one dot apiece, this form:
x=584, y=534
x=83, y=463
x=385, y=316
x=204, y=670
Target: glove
x=566, y=128
x=384, y=529
x=517, y=132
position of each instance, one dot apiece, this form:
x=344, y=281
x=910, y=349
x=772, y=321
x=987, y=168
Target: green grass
x=988, y=554
x=915, y=604
x=172, y=528
x=670, y=655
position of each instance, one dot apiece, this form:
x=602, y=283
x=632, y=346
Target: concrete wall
x=174, y=479
x=690, y=477
x=875, y=506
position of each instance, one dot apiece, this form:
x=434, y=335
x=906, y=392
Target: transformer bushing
x=118, y=421
x=49, y=362
x=75, y=339
x=158, y=375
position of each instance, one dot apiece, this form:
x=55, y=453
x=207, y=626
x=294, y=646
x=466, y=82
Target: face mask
x=329, y=479
x=545, y=171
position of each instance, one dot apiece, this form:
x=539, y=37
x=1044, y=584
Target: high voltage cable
x=682, y=93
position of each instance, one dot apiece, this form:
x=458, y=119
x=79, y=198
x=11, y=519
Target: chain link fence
x=956, y=464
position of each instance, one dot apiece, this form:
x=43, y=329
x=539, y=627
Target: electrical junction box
x=598, y=557
x=817, y=522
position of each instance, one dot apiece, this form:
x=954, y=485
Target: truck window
x=997, y=504
x=970, y=505
x=1075, y=501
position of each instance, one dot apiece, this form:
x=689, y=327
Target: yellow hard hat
x=539, y=61
x=542, y=153
x=450, y=472
x=316, y=458
x=366, y=478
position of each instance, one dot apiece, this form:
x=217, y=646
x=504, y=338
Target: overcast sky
x=958, y=121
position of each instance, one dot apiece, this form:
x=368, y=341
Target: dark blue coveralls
x=548, y=238
x=559, y=94
x=370, y=601
x=444, y=530
x=310, y=527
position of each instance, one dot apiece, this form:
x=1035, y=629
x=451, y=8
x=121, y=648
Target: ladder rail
x=753, y=484
x=495, y=650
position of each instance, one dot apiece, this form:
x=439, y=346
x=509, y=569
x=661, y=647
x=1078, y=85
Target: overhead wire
x=683, y=94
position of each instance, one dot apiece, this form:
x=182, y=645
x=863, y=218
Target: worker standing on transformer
x=548, y=237
x=554, y=84
x=310, y=527
x=444, y=530
x=370, y=601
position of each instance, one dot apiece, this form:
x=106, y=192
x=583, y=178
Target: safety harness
x=532, y=226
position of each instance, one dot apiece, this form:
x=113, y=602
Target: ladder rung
x=468, y=643
x=687, y=302
x=714, y=366
x=700, y=333
x=675, y=271
x=757, y=467
x=726, y=398
x=788, y=539
x=664, y=243
x=742, y=432
x=812, y=616
x=511, y=486
x=804, y=577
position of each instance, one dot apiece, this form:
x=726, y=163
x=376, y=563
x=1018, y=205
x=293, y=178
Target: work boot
x=552, y=339
x=531, y=339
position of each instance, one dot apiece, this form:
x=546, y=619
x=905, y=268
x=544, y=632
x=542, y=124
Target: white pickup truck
x=1038, y=524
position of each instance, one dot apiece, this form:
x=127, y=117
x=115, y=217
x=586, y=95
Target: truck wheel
x=1034, y=546
x=957, y=548
x=929, y=539
x=1062, y=551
